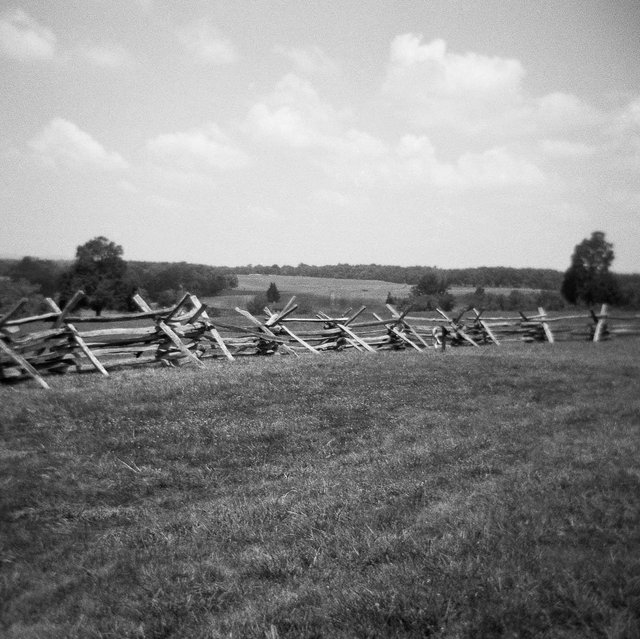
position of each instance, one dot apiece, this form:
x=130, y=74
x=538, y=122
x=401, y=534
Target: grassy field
x=311, y=292
x=328, y=294
x=472, y=493
x=294, y=285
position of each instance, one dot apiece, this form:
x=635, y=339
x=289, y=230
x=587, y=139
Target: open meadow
x=328, y=294
x=467, y=493
x=317, y=292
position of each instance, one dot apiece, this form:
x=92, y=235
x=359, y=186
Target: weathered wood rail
x=186, y=333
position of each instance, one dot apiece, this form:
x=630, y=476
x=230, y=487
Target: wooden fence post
x=61, y=319
x=169, y=332
x=545, y=326
x=601, y=325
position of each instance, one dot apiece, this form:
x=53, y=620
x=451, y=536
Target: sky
x=443, y=133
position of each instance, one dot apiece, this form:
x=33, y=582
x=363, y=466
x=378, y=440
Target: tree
x=273, y=294
x=433, y=282
x=101, y=273
x=12, y=291
x=42, y=273
x=256, y=304
x=588, y=279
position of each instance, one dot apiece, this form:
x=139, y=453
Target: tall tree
x=273, y=294
x=101, y=272
x=588, y=279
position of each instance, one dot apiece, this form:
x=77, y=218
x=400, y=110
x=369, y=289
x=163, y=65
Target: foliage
x=433, y=282
x=431, y=292
x=588, y=279
x=480, y=493
x=256, y=305
x=515, y=300
x=487, y=276
x=629, y=285
x=444, y=301
x=163, y=281
x=12, y=291
x=42, y=273
x=273, y=294
x=101, y=272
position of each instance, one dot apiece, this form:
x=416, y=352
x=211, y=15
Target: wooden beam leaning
x=264, y=329
x=457, y=328
x=23, y=363
x=545, y=326
x=211, y=329
x=354, y=315
x=601, y=324
x=275, y=320
x=169, y=317
x=412, y=330
x=74, y=331
x=298, y=339
x=354, y=344
x=390, y=326
x=12, y=311
x=485, y=327
x=348, y=331
x=289, y=307
x=169, y=332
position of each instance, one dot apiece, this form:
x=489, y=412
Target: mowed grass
x=470, y=493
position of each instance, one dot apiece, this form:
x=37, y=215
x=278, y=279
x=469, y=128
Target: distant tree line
x=588, y=281
x=108, y=281
x=486, y=276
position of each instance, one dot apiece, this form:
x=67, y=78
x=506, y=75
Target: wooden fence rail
x=186, y=333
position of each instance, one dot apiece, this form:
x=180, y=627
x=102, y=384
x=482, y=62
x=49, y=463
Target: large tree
x=433, y=282
x=273, y=294
x=101, y=272
x=588, y=279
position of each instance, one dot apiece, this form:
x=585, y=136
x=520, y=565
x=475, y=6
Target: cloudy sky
x=436, y=132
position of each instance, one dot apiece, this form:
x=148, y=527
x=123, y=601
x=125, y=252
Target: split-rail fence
x=186, y=333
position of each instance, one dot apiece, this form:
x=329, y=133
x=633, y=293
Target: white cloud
x=475, y=95
x=293, y=114
x=365, y=161
x=62, y=143
x=310, y=60
x=495, y=168
x=283, y=124
x=563, y=112
x=23, y=38
x=435, y=88
x=197, y=150
x=444, y=73
x=206, y=44
x=106, y=56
